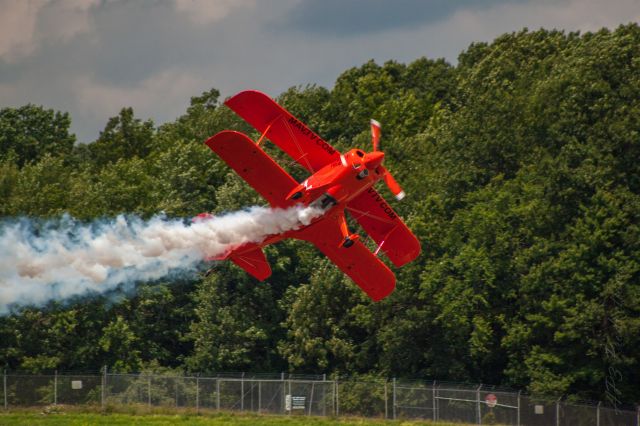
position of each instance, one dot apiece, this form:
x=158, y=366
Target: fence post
x=478, y=409
x=290, y=396
x=558, y=412
x=198, y=393
x=313, y=384
x=518, y=418
x=598, y=413
x=175, y=386
x=435, y=406
x=637, y=411
x=55, y=387
x=242, y=392
x=149, y=389
x=284, y=392
x=259, y=396
x=324, y=394
x=103, y=393
x=394, y=398
x=337, y=383
x=4, y=385
x=386, y=400
x=218, y=393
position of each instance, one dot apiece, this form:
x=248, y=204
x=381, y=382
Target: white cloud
x=209, y=11
x=448, y=37
x=9, y=91
x=568, y=15
x=26, y=24
x=17, y=27
x=63, y=20
x=92, y=58
x=164, y=95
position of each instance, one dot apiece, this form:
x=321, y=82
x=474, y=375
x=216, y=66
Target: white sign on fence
x=76, y=384
x=294, y=402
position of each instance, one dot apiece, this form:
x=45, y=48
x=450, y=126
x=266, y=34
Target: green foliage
x=320, y=322
x=30, y=132
x=57, y=338
x=185, y=176
x=229, y=333
x=9, y=174
x=523, y=181
x=121, y=343
x=42, y=188
x=124, y=137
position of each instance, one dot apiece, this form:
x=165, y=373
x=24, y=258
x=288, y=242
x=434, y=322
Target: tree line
x=522, y=169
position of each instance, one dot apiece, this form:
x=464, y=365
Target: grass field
x=81, y=419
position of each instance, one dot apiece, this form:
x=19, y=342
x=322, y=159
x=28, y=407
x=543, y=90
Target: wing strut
x=266, y=130
x=295, y=141
x=385, y=239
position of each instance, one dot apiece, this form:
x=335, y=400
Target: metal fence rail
x=306, y=395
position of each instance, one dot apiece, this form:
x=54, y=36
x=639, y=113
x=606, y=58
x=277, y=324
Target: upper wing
x=365, y=269
x=385, y=227
x=254, y=166
x=283, y=129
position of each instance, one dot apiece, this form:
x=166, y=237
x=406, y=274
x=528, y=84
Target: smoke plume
x=60, y=259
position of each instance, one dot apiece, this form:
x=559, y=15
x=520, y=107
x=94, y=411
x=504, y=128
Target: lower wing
x=386, y=228
x=365, y=269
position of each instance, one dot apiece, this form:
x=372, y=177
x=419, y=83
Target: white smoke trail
x=56, y=260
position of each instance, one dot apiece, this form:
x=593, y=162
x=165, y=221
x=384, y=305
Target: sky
x=93, y=57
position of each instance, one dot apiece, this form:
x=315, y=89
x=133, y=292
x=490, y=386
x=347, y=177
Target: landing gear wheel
x=327, y=201
x=297, y=195
x=348, y=242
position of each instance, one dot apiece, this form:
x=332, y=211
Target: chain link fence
x=307, y=396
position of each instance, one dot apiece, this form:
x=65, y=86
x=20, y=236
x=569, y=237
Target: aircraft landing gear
x=327, y=201
x=348, y=242
x=323, y=202
x=363, y=174
x=297, y=195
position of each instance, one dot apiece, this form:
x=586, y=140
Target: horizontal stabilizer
x=251, y=258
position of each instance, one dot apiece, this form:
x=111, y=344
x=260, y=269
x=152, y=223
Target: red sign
x=491, y=400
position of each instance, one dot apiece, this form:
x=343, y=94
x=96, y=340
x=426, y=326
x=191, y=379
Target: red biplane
x=338, y=182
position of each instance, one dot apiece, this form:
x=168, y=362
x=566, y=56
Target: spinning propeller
x=394, y=186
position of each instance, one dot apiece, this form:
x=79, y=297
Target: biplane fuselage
x=333, y=186
x=344, y=179
x=337, y=183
